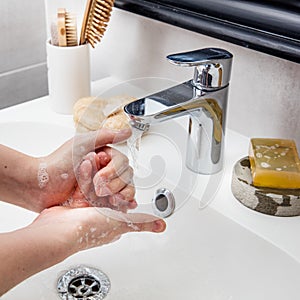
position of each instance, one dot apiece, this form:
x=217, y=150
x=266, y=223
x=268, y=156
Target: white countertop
x=280, y=231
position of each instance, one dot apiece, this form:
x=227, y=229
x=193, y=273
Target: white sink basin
x=201, y=255
x=34, y=138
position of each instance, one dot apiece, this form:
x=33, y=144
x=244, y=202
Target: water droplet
x=258, y=155
x=265, y=165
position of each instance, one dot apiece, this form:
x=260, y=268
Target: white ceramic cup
x=68, y=76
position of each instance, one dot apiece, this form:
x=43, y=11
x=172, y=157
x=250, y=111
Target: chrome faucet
x=204, y=98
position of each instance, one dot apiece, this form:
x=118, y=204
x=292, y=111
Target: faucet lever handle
x=212, y=66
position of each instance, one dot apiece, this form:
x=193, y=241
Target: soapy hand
x=59, y=232
x=83, y=228
x=104, y=180
x=85, y=172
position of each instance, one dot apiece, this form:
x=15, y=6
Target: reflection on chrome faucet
x=203, y=98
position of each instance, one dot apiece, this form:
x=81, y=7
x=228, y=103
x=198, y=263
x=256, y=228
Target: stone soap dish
x=275, y=202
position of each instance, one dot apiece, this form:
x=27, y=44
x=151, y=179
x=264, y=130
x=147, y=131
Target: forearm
x=18, y=177
x=28, y=251
x=36, y=183
x=39, y=183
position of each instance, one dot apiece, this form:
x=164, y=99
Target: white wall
x=23, y=72
x=264, y=97
x=75, y=6
x=264, y=92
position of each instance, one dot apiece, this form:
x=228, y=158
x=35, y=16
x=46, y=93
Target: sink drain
x=83, y=283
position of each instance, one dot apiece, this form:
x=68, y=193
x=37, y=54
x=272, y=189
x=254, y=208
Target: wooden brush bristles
x=71, y=29
x=96, y=18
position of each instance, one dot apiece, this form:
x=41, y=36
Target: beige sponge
x=92, y=113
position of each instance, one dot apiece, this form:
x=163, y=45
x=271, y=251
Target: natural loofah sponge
x=92, y=113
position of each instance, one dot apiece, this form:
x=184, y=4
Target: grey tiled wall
x=23, y=70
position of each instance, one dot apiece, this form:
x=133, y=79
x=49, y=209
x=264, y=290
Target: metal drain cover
x=83, y=283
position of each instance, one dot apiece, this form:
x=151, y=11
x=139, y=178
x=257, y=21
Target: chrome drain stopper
x=83, y=283
x=163, y=203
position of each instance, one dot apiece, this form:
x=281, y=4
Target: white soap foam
x=43, y=176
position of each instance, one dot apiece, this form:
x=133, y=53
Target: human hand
x=104, y=180
x=83, y=228
x=58, y=171
x=59, y=232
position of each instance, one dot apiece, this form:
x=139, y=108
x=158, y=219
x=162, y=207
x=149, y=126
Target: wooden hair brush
x=96, y=17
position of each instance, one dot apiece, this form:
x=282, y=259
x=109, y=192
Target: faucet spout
x=206, y=107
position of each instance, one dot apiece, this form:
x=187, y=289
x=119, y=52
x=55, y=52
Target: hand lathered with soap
x=48, y=186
